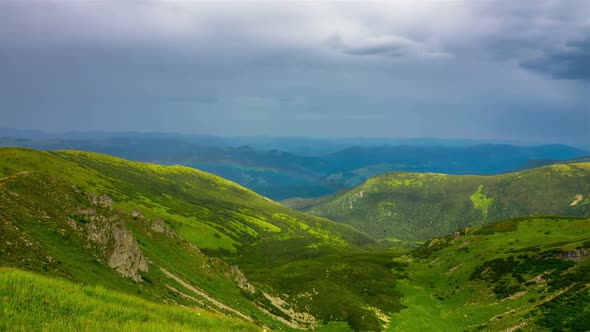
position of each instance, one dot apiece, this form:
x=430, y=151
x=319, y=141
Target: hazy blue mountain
x=324, y=166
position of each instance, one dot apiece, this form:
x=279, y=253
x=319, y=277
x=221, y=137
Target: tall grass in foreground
x=29, y=302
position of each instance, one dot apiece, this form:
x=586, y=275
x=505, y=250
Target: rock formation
x=159, y=226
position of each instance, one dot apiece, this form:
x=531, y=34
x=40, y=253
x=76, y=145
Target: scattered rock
x=72, y=223
x=578, y=199
x=86, y=211
x=159, y=226
x=105, y=201
x=354, y=198
x=573, y=255
x=102, y=200
x=93, y=198
x=240, y=279
x=136, y=214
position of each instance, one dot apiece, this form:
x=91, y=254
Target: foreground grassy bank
x=30, y=302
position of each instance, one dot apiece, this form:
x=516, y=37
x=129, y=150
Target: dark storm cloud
x=570, y=62
x=404, y=68
x=388, y=46
x=520, y=30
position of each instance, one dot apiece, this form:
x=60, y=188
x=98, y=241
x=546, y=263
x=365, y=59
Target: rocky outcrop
x=105, y=201
x=126, y=256
x=159, y=226
x=355, y=197
x=573, y=255
x=116, y=244
x=237, y=275
x=102, y=200
x=577, y=199
x=110, y=238
x=136, y=214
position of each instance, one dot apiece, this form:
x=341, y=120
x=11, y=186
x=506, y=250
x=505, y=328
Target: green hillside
x=419, y=206
x=32, y=302
x=174, y=234
x=108, y=244
x=525, y=274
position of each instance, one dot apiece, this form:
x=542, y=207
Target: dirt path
x=204, y=295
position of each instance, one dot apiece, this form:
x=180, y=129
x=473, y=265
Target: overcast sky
x=511, y=70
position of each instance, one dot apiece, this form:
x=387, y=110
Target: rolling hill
x=178, y=235
x=419, y=206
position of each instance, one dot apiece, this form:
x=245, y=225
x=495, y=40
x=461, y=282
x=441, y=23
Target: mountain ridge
x=418, y=206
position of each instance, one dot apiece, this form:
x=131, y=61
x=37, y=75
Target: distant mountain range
x=279, y=173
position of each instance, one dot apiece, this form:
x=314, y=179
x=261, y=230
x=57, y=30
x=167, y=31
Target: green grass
x=486, y=280
x=40, y=191
x=480, y=201
x=419, y=206
x=341, y=276
x=30, y=302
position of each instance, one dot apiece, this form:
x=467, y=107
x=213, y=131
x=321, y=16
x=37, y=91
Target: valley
x=79, y=227
x=175, y=234
x=288, y=166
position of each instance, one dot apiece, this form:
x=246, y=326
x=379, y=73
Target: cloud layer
x=448, y=68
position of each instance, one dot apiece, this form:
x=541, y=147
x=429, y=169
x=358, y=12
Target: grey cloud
x=518, y=30
x=248, y=68
x=393, y=46
x=388, y=46
x=569, y=62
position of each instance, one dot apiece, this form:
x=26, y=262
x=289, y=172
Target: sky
x=481, y=69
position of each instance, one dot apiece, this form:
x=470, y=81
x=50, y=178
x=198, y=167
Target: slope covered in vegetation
x=419, y=206
x=32, y=302
x=526, y=274
x=175, y=234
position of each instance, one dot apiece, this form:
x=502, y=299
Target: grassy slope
x=30, y=302
x=418, y=206
x=499, y=276
x=35, y=236
x=269, y=242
